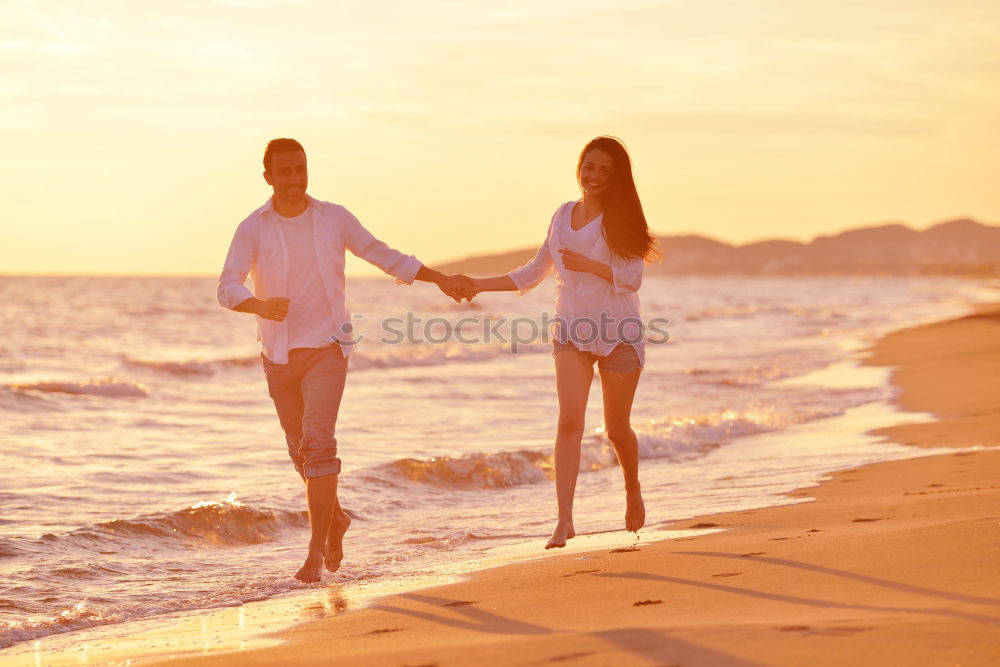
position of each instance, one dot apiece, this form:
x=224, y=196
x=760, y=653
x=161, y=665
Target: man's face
x=288, y=176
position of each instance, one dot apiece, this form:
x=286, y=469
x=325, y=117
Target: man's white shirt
x=271, y=253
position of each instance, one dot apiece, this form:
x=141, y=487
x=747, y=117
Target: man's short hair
x=278, y=146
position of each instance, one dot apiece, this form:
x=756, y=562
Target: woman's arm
x=521, y=279
x=494, y=284
x=625, y=275
x=528, y=275
x=574, y=261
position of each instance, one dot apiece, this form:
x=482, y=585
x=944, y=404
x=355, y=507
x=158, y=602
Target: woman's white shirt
x=598, y=314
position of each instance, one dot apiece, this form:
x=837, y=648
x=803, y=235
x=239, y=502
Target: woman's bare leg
x=574, y=374
x=618, y=392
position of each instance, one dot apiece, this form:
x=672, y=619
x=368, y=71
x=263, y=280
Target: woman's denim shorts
x=622, y=359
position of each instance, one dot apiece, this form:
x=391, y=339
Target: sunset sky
x=134, y=130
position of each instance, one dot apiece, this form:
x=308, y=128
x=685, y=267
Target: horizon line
x=481, y=254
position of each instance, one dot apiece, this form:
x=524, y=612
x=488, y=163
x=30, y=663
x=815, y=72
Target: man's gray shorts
x=306, y=393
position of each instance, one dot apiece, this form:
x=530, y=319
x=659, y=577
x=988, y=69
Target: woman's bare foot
x=335, y=542
x=310, y=570
x=635, y=511
x=562, y=532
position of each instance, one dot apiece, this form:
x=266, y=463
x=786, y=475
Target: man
x=293, y=249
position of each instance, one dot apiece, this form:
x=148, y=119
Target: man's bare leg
x=322, y=389
x=339, y=524
x=321, y=494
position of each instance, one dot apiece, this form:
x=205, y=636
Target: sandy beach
x=894, y=563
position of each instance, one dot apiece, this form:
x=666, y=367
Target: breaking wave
x=676, y=438
x=192, y=367
x=108, y=387
x=227, y=523
x=367, y=356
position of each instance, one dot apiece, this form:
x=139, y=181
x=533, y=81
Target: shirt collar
x=268, y=207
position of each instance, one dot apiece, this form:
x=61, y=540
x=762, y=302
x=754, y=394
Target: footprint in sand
x=570, y=656
x=643, y=603
x=382, y=631
x=864, y=520
x=842, y=631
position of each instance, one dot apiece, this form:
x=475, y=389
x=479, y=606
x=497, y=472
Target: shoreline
x=893, y=561
x=666, y=602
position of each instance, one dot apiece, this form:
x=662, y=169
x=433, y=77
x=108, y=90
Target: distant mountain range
x=964, y=247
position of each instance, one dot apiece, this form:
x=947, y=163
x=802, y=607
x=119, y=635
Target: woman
x=597, y=246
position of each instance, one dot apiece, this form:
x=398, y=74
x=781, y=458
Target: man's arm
x=275, y=308
x=232, y=291
x=405, y=268
x=363, y=244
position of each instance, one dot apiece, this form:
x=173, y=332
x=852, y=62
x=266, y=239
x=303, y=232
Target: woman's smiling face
x=595, y=172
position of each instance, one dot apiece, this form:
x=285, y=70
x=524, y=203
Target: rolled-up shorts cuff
x=331, y=467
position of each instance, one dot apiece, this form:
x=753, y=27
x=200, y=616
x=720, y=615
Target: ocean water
x=144, y=472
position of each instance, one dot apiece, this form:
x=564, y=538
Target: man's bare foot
x=310, y=570
x=562, y=532
x=335, y=542
x=635, y=511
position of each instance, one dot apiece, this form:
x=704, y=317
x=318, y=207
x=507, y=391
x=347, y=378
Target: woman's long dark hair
x=624, y=225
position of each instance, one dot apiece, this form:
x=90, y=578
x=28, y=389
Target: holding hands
x=458, y=287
